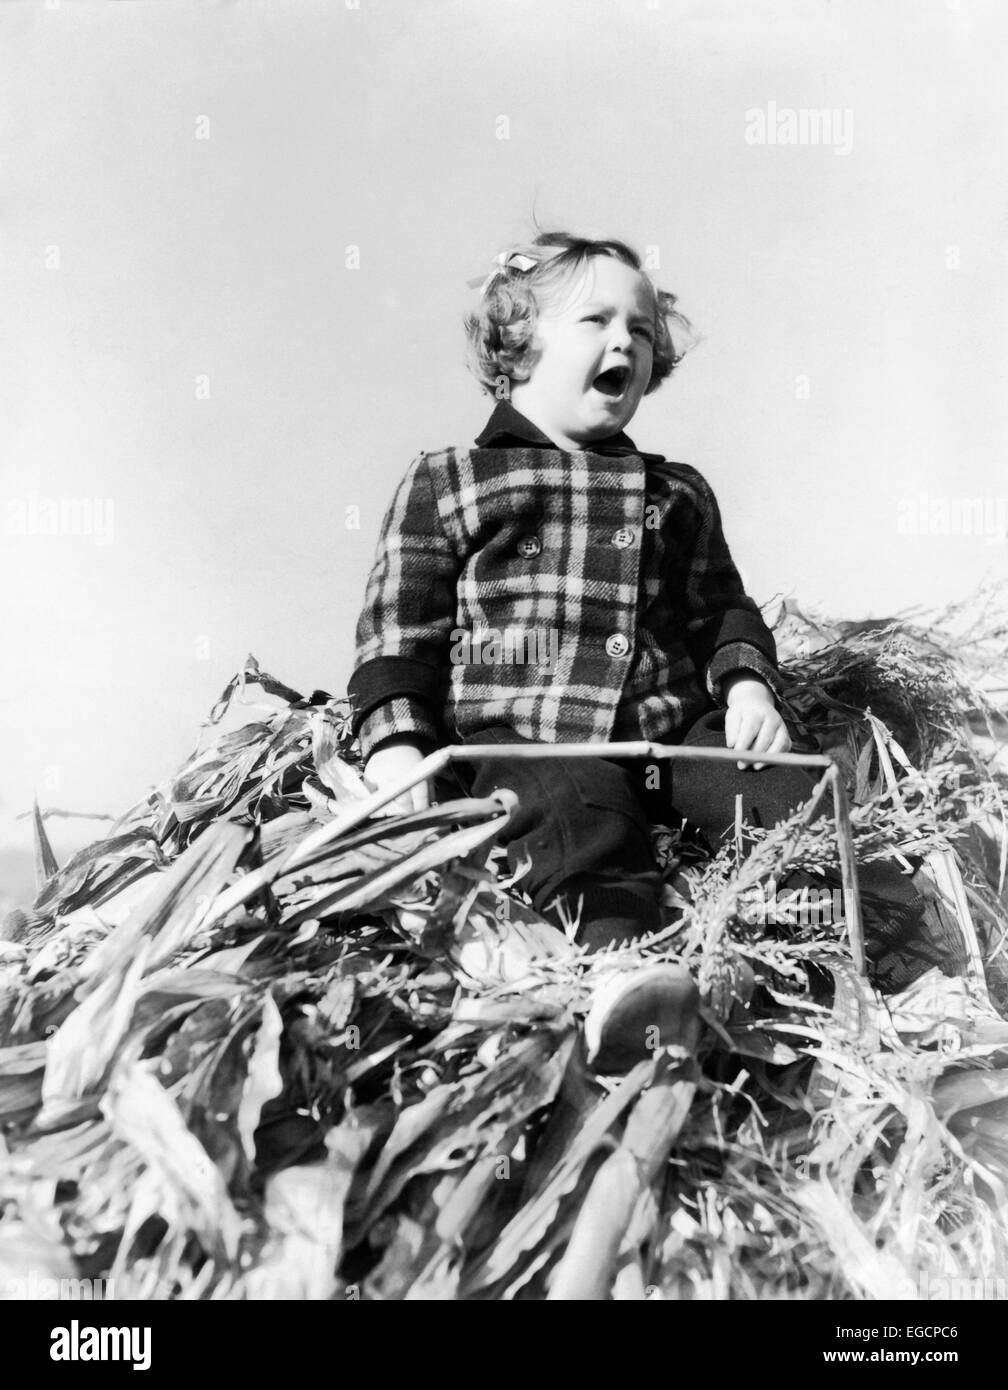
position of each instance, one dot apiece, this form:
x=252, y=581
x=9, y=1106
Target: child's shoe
x=636, y=1013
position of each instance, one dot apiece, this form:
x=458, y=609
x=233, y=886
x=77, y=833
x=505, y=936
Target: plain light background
x=852, y=307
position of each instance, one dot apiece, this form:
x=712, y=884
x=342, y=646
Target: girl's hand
x=752, y=719
x=393, y=761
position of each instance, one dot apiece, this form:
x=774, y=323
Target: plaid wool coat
x=609, y=568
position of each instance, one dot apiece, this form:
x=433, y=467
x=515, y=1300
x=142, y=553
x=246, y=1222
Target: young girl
x=610, y=563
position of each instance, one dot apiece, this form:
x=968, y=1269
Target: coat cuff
x=387, y=678
x=741, y=656
x=394, y=719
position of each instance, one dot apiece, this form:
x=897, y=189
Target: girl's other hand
x=752, y=719
x=389, y=764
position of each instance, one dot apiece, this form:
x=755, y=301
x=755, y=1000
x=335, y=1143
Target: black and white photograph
x=504, y=716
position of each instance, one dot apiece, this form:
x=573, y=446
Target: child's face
x=591, y=355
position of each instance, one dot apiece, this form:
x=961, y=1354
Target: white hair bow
x=514, y=260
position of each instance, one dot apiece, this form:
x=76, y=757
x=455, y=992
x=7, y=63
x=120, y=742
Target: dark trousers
x=582, y=826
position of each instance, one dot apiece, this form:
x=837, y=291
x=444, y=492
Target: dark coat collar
x=507, y=428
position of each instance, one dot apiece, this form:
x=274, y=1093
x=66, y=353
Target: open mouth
x=612, y=382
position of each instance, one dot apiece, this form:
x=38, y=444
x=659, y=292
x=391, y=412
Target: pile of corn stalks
x=255, y=1045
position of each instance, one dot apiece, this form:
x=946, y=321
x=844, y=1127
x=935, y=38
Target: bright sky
x=185, y=351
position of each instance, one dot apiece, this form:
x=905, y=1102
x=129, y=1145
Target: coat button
x=617, y=645
x=529, y=547
x=623, y=538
